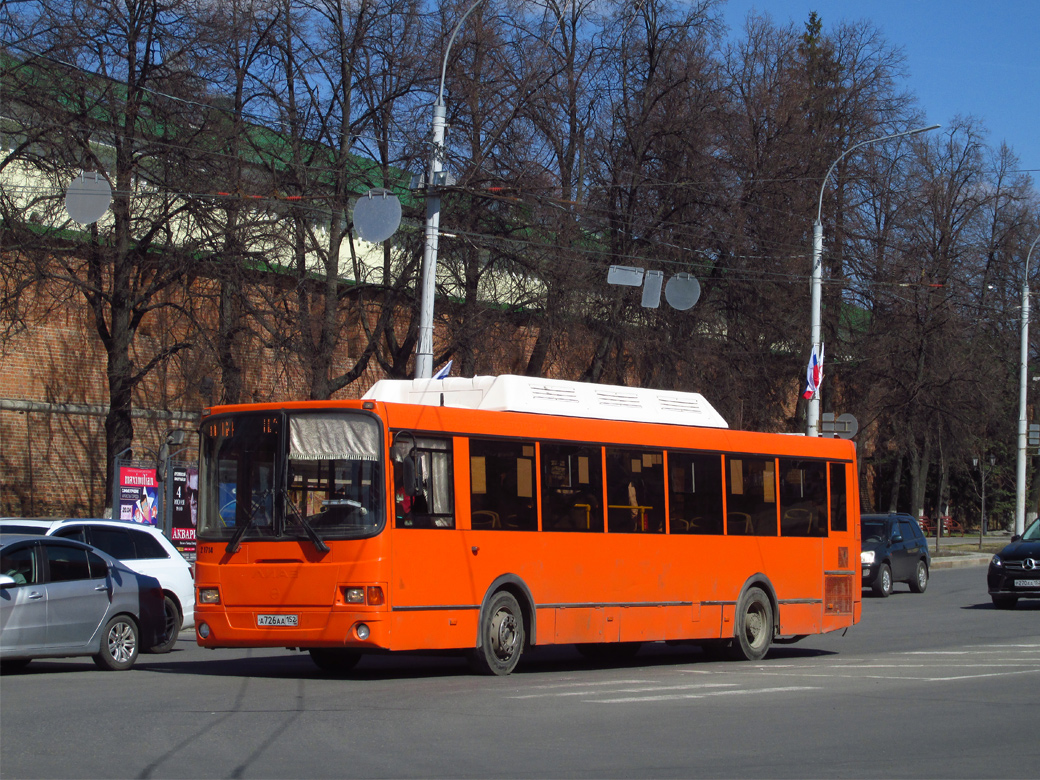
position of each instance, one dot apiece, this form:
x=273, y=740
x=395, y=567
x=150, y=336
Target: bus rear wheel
x=754, y=625
x=502, y=637
x=334, y=660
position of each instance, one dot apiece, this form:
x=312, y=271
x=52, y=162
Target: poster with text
x=184, y=507
x=138, y=495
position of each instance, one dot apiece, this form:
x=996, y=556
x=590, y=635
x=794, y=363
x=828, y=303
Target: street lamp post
x=1020, y=477
x=813, y=410
x=980, y=463
x=424, y=348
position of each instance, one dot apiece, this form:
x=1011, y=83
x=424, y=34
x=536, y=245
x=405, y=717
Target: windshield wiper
x=240, y=531
x=311, y=533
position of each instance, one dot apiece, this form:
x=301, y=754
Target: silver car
x=142, y=548
x=60, y=598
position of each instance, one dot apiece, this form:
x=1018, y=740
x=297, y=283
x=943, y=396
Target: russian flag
x=814, y=374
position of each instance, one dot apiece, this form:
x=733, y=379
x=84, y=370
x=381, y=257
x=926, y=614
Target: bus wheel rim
x=754, y=625
x=503, y=634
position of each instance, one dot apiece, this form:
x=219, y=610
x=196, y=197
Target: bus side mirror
x=408, y=475
x=403, y=453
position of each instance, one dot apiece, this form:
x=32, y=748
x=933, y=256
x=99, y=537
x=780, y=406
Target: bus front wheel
x=502, y=637
x=754, y=628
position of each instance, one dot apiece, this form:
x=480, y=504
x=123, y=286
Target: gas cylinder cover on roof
x=534, y=395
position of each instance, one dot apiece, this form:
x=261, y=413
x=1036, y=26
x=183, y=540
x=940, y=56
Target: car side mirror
x=897, y=537
x=1016, y=538
x=7, y=581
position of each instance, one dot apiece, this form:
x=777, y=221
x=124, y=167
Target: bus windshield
x=274, y=475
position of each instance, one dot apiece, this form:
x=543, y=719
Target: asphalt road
x=932, y=685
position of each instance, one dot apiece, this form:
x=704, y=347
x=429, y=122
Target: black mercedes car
x=1014, y=572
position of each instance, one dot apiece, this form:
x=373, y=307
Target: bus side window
x=433, y=504
x=803, y=497
x=751, y=496
x=502, y=478
x=839, y=515
x=694, y=493
x=635, y=491
x=572, y=487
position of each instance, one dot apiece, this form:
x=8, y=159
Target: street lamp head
x=854, y=147
x=924, y=129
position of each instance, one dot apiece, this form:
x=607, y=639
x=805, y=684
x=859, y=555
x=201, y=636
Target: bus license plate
x=1027, y=583
x=277, y=620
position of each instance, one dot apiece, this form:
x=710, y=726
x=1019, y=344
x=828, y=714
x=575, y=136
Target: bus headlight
x=362, y=631
x=866, y=557
x=209, y=595
x=372, y=595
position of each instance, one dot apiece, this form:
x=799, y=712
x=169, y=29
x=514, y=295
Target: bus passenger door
x=433, y=599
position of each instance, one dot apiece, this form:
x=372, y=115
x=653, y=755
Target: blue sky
x=968, y=57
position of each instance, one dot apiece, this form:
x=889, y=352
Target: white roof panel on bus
x=552, y=396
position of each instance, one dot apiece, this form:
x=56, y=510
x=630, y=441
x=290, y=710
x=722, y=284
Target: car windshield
x=278, y=474
x=873, y=531
x=1032, y=533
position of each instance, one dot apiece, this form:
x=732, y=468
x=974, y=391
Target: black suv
x=894, y=550
x=1014, y=572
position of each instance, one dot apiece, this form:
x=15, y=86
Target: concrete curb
x=960, y=561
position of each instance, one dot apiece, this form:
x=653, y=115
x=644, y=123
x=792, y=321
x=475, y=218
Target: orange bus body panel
x=584, y=587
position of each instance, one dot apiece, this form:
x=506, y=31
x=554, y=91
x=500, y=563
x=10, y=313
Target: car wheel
x=883, y=584
x=119, y=644
x=920, y=580
x=754, y=628
x=503, y=637
x=172, y=629
x=1004, y=602
x=334, y=660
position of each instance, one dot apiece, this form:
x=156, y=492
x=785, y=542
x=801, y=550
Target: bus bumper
x=292, y=628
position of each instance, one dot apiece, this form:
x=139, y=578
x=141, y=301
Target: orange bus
x=493, y=514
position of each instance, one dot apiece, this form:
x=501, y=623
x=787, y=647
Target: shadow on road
x=298, y=665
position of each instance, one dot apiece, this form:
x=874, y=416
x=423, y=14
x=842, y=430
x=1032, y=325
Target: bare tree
x=108, y=87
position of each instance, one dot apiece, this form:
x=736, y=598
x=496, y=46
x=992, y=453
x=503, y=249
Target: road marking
x=647, y=686
x=566, y=684
x=678, y=696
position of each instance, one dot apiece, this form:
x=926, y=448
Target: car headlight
x=866, y=557
x=995, y=561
